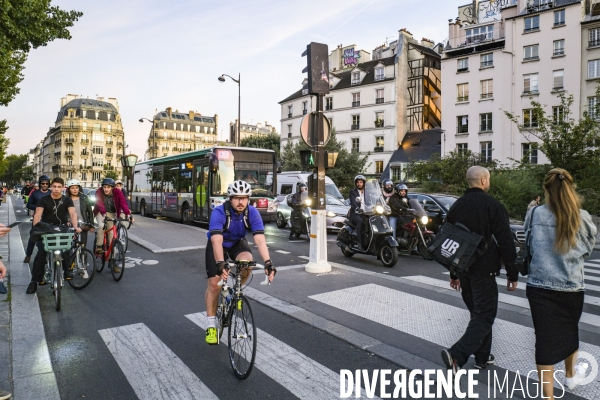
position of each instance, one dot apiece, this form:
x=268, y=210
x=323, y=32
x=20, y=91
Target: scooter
x=415, y=233
x=377, y=231
x=300, y=218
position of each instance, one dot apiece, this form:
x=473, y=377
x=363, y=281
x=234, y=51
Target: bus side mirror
x=213, y=162
x=278, y=167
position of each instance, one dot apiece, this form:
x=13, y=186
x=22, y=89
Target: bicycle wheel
x=117, y=261
x=82, y=263
x=100, y=260
x=123, y=238
x=222, y=316
x=242, y=337
x=57, y=280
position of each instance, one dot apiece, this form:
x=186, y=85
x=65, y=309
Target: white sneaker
x=573, y=382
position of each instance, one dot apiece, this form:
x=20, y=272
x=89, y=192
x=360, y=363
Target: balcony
x=119, y=144
x=355, y=127
x=379, y=100
x=56, y=167
x=57, y=154
x=110, y=154
x=487, y=95
x=84, y=152
x=487, y=63
x=533, y=58
x=85, y=166
x=462, y=129
x=289, y=115
x=356, y=103
x=69, y=153
x=464, y=41
x=57, y=142
x=304, y=111
x=561, y=51
x=594, y=43
x=534, y=91
x=107, y=167
x=70, y=140
x=462, y=98
x=154, y=147
x=84, y=141
x=538, y=5
x=378, y=149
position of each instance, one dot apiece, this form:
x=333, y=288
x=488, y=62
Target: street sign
x=308, y=130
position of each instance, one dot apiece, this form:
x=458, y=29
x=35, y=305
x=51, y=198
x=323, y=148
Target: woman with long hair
x=562, y=234
x=83, y=206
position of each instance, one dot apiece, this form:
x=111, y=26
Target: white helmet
x=73, y=182
x=239, y=188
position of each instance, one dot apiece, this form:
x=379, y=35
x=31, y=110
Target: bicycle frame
x=108, y=248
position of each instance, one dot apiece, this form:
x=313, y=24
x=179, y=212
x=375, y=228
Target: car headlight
x=379, y=209
x=424, y=219
x=308, y=202
x=330, y=214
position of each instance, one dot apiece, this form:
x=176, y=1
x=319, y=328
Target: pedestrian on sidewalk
x=534, y=203
x=32, y=202
x=4, y=230
x=562, y=235
x=484, y=215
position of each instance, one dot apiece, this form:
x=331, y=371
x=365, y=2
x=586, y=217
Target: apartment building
x=500, y=56
x=86, y=141
x=374, y=102
x=590, y=56
x=248, y=130
x=173, y=132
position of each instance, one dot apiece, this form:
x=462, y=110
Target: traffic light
x=308, y=158
x=317, y=67
x=313, y=188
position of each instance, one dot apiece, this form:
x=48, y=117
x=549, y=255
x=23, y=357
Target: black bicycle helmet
x=360, y=178
x=388, y=186
x=108, y=181
x=300, y=186
x=44, y=178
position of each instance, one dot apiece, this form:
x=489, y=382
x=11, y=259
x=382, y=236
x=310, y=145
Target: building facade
x=374, y=102
x=86, y=142
x=249, y=130
x=501, y=56
x=173, y=132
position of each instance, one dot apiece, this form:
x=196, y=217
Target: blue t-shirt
x=237, y=229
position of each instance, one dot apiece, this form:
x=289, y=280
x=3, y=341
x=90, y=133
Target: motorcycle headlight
x=379, y=209
x=330, y=214
x=308, y=202
x=424, y=219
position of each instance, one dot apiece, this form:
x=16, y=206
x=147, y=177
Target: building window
x=97, y=149
x=378, y=167
x=487, y=60
x=593, y=107
x=70, y=174
x=462, y=90
x=530, y=84
x=594, y=69
x=530, y=152
x=594, y=37
x=356, y=145
x=529, y=119
x=462, y=124
x=558, y=114
x=97, y=137
x=97, y=162
x=355, y=122
x=558, y=47
x=396, y=173
x=289, y=130
x=379, y=97
x=531, y=52
x=487, y=89
x=84, y=176
x=559, y=17
x=486, y=152
x=463, y=65
x=328, y=103
x=355, y=78
x=485, y=122
x=379, y=73
x=304, y=92
x=304, y=110
x=481, y=34
x=96, y=176
x=69, y=161
x=532, y=23
x=289, y=111
x=379, y=141
x=355, y=99
x=462, y=148
x=379, y=119
x=557, y=77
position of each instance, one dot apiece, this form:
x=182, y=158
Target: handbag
x=523, y=262
x=457, y=248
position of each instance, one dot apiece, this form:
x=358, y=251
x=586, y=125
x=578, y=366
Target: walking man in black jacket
x=485, y=216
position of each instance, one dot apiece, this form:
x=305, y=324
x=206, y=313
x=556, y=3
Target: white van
x=287, y=182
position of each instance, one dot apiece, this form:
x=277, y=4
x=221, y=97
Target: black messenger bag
x=457, y=248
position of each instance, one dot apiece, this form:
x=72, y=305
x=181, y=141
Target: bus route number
x=223, y=154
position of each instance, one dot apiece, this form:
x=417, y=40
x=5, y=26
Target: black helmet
x=108, y=181
x=401, y=186
x=360, y=178
x=300, y=187
x=388, y=186
x=44, y=178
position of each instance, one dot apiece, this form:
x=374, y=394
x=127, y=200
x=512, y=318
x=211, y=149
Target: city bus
x=189, y=185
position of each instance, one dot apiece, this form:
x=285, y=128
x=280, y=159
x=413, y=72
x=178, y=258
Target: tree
x=13, y=170
x=272, y=141
x=111, y=174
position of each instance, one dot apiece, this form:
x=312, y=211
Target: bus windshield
x=253, y=173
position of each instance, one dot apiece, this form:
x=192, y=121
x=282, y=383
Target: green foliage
x=347, y=166
x=25, y=25
x=515, y=188
x=111, y=174
x=271, y=141
x=13, y=170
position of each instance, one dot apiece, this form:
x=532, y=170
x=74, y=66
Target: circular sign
x=308, y=130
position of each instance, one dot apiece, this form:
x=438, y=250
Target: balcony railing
x=594, y=43
x=304, y=111
x=355, y=127
x=532, y=58
x=328, y=107
x=379, y=100
x=379, y=123
x=487, y=63
x=289, y=115
x=108, y=167
x=378, y=149
x=355, y=82
x=69, y=153
x=462, y=129
x=84, y=152
x=120, y=144
x=356, y=103
x=85, y=140
x=70, y=140
x=559, y=52
x=379, y=77
x=487, y=95
x=534, y=91
x=462, y=98
x=463, y=40
x=85, y=166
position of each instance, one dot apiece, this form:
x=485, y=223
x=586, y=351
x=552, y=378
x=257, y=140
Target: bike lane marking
x=152, y=369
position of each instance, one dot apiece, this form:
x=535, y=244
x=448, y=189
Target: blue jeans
x=393, y=222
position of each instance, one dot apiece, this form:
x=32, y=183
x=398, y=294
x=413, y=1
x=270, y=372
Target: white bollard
x=317, y=263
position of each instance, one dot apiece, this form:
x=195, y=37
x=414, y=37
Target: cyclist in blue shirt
x=227, y=228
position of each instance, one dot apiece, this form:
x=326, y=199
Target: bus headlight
x=379, y=209
x=424, y=219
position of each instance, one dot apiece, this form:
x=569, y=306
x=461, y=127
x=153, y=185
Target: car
x=437, y=206
x=336, y=213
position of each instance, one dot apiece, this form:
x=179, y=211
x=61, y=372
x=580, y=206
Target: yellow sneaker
x=211, y=336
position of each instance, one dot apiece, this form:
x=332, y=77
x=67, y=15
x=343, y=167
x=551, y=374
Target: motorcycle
x=377, y=231
x=300, y=217
x=415, y=233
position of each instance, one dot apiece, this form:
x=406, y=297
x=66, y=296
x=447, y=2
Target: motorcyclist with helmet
x=354, y=217
x=401, y=210
x=295, y=202
x=389, y=192
x=32, y=202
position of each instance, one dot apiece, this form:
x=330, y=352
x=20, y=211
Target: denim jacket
x=549, y=269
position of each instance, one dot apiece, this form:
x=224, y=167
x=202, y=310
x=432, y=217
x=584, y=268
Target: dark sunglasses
x=44, y=183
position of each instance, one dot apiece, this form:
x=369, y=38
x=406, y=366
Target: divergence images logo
x=449, y=248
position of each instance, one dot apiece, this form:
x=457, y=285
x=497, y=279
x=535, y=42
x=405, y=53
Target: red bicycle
x=113, y=252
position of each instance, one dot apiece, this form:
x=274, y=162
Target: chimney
x=100, y=98
x=191, y=115
x=427, y=42
x=169, y=111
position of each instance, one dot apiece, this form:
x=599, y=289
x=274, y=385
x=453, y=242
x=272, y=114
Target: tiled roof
x=416, y=146
x=177, y=116
x=542, y=8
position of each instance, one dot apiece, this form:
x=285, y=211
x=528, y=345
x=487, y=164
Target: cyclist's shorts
x=211, y=264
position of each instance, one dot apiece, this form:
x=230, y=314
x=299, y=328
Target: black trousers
x=480, y=294
x=39, y=263
x=359, y=221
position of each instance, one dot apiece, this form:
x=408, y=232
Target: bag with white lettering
x=457, y=248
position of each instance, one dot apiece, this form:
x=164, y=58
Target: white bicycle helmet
x=73, y=182
x=239, y=188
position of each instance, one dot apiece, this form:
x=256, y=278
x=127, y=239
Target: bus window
x=224, y=176
x=185, y=182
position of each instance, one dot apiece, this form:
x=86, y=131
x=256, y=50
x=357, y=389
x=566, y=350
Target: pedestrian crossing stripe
x=152, y=369
x=299, y=374
x=282, y=251
x=443, y=324
x=592, y=265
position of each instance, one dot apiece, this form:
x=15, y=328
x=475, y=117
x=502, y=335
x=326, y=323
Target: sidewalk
x=171, y=236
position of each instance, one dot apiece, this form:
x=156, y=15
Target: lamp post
x=239, y=79
x=129, y=161
x=153, y=137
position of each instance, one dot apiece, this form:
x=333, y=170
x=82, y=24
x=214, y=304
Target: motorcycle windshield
x=415, y=205
x=373, y=197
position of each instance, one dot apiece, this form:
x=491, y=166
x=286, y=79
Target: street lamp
x=238, y=80
x=153, y=136
x=129, y=161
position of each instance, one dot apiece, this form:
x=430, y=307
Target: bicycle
x=54, y=245
x=82, y=261
x=112, y=252
x=122, y=235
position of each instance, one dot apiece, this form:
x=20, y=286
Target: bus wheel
x=143, y=209
x=185, y=215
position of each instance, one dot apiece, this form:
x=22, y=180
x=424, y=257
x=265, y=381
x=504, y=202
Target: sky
x=151, y=55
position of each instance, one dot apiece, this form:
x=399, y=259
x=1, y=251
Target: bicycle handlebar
x=106, y=219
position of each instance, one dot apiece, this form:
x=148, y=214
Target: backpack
x=457, y=248
x=227, y=208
